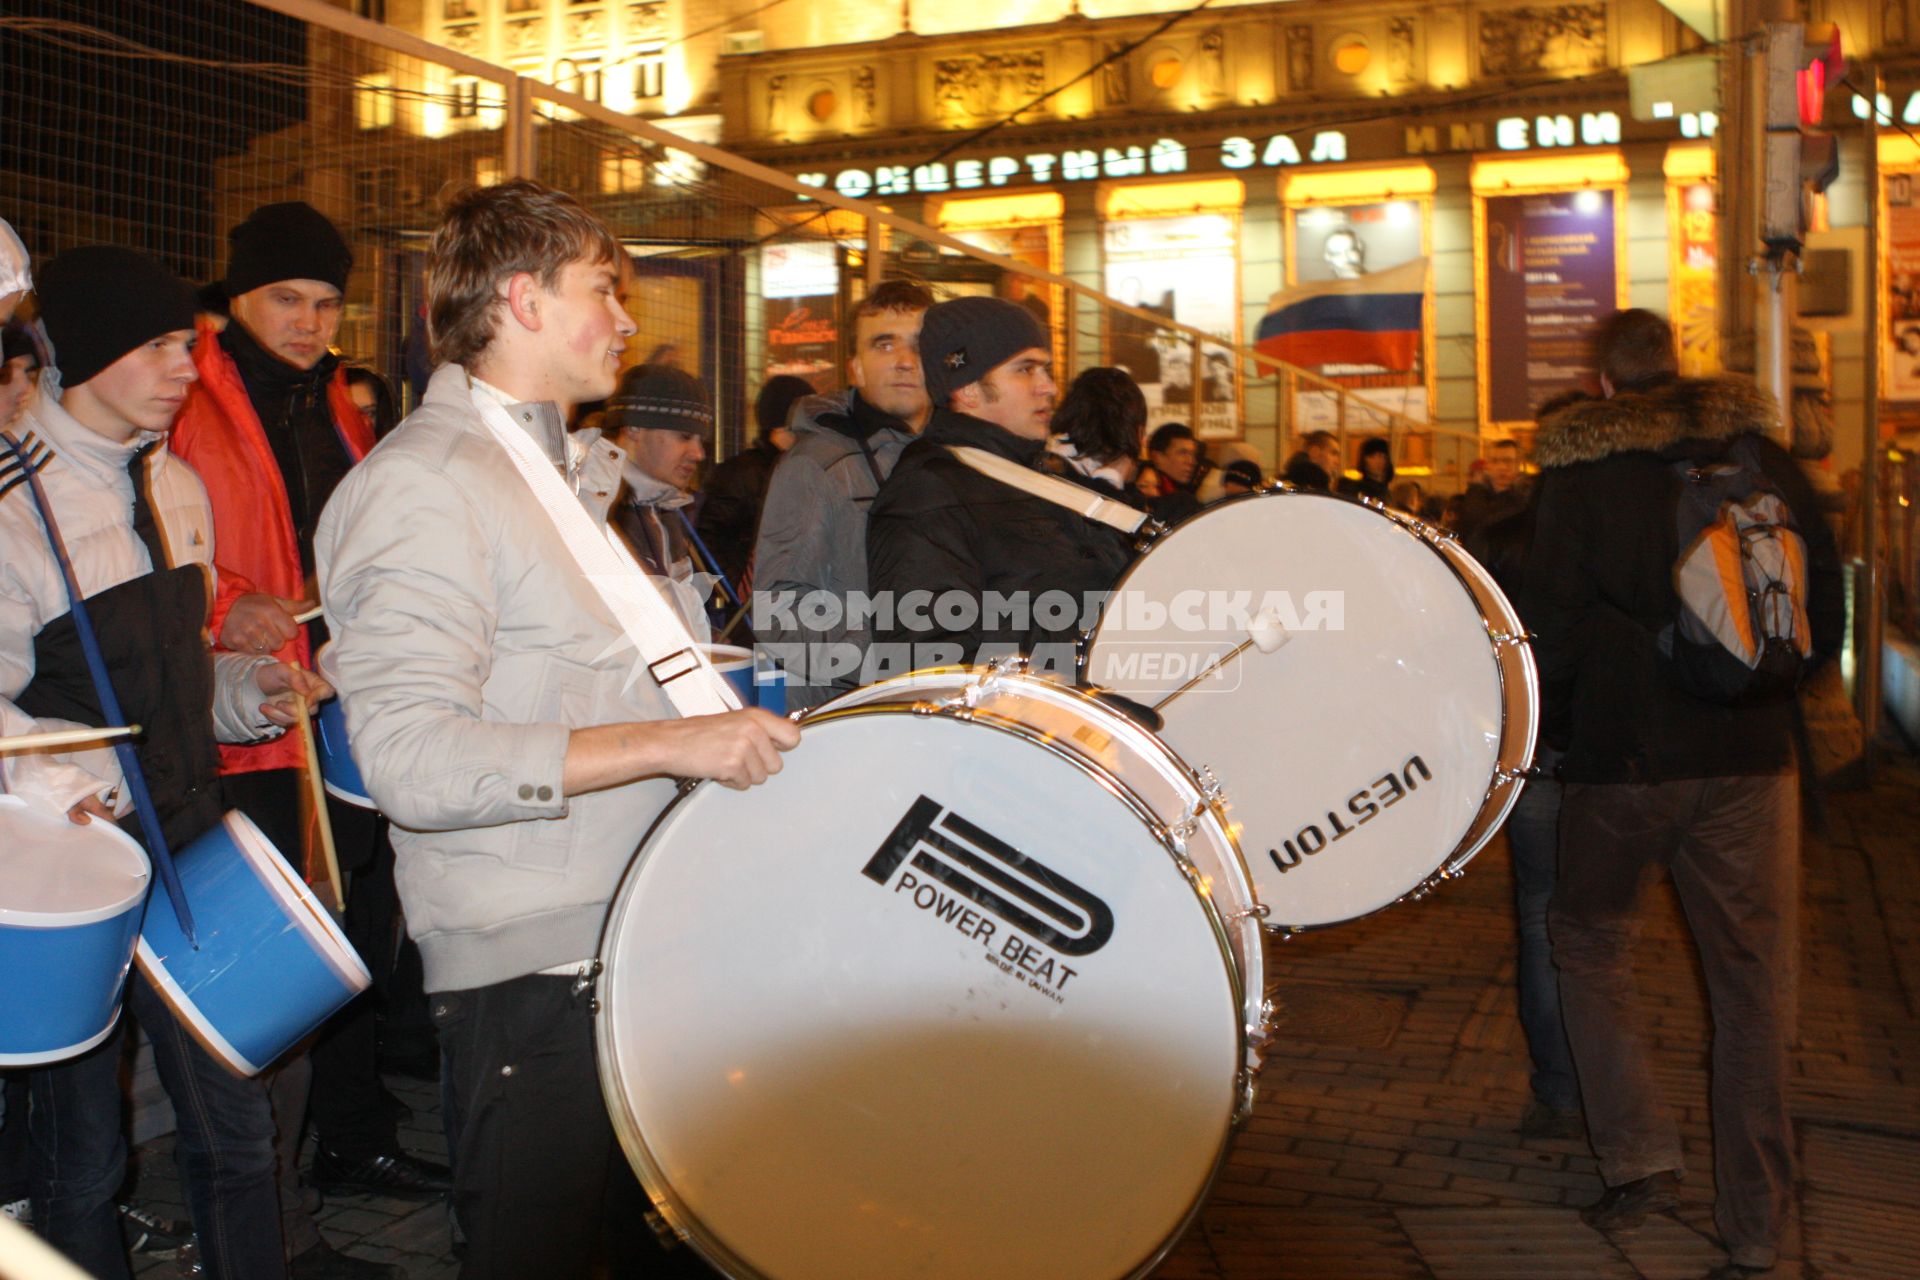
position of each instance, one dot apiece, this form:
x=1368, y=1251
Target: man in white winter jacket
x=499, y=715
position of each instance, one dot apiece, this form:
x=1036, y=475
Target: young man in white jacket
x=497, y=713
x=139, y=533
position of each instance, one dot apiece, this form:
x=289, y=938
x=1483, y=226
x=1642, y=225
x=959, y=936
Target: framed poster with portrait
x=1188, y=270
x=1367, y=242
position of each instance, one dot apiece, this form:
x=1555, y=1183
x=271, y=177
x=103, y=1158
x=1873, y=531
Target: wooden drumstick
x=317, y=795
x=308, y=615
x=65, y=738
x=1265, y=633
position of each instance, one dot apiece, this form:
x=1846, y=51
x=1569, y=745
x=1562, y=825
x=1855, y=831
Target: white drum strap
x=673, y=659
x=1062, y=493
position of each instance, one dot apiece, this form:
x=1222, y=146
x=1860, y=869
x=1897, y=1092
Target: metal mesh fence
x=160, y=126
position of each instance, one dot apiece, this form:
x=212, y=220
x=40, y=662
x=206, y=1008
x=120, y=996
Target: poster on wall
x=1693, y=288
x=1370, y=258
x=1900, y=357
x=800, y=292
x=1186, y=269
x=1552, y=276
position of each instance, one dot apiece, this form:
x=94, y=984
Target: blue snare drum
x=71, y=898
x=271, y=965
x=337, y=769
x=759, y=684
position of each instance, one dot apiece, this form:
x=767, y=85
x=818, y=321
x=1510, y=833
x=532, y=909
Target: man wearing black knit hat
x=272, y=429
x=139, y=537
x=1006, y=571
x=662, y=419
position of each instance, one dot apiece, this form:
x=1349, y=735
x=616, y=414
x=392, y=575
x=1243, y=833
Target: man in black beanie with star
x=939, y=525
x=272, y=429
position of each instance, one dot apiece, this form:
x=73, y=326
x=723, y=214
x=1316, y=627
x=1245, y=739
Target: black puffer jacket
x=1598, y=583
x=939, y=526
x=730, y=503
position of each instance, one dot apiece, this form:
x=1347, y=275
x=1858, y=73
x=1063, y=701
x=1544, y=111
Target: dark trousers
x=1732, y=848
x=1533, y=836
x=540, y=1185
x=224, y=1149
x=535, y=1150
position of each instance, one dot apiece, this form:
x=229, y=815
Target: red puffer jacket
x=220, y=436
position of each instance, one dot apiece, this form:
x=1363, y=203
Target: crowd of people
x=213, y=465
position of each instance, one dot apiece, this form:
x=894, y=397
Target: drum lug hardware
x=1244, y=1090
x=1510, y=639
x=583, y=979
x=1258, y=911
x=1210, y=788
x=1506, y=774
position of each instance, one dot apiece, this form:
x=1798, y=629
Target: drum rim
x=20, y=918
x=1502, y=791
x=48, y=1057
x=659, y=1188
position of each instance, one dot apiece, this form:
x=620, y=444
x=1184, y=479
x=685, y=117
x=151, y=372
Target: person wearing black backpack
x=1659, y=777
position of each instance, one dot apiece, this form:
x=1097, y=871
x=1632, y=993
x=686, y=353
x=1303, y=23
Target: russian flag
x=1372, y=320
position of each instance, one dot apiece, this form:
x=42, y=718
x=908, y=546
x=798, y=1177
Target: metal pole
x=1867, y=611
x=518, y=143
x=874, y=264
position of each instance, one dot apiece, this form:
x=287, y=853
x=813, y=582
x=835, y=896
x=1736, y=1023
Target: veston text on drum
x=1363, y=806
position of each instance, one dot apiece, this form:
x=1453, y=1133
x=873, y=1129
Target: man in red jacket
x=271, y=429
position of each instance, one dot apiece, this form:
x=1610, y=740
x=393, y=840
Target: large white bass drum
x=938, y=1001
x=1360, y=687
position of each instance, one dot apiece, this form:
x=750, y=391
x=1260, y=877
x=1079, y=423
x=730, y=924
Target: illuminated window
x=622, y=174
x=487, y=170
x=650, y=72
x=525, y=6
x=373, y=101
x=455, y=10
x=466, y=97
x=821, y=105
x=578, y=75
x=376, y=188
x=1166, y=73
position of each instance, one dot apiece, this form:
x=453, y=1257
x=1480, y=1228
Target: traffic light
x=1802, y=59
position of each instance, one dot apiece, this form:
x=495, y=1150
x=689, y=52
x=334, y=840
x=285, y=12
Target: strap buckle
x=665, y=672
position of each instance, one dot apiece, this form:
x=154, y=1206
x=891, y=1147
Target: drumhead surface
x=1356, y=755
x=56, y=873
x=930, y=1004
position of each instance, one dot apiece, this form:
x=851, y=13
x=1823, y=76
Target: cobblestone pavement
x=1384, y=1142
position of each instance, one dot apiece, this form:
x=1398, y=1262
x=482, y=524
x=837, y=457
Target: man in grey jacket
x=811, y=557
x=497, y=715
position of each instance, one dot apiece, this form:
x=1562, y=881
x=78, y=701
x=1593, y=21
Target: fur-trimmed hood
x=1655, y=420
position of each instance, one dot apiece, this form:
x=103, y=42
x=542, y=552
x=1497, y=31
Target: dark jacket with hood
x=813, y=535
x=1598, y=583
x=939, y=526
x=730, y=503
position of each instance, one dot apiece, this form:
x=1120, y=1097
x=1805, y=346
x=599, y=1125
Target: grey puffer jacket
x=813, y=539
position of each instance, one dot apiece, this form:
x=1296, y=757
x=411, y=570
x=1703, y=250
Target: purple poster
x=1551, y=278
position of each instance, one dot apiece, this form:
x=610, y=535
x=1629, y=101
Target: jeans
x=539, y=1183
x=1533, y=836
x=1732, y=848
x=224, y=1150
